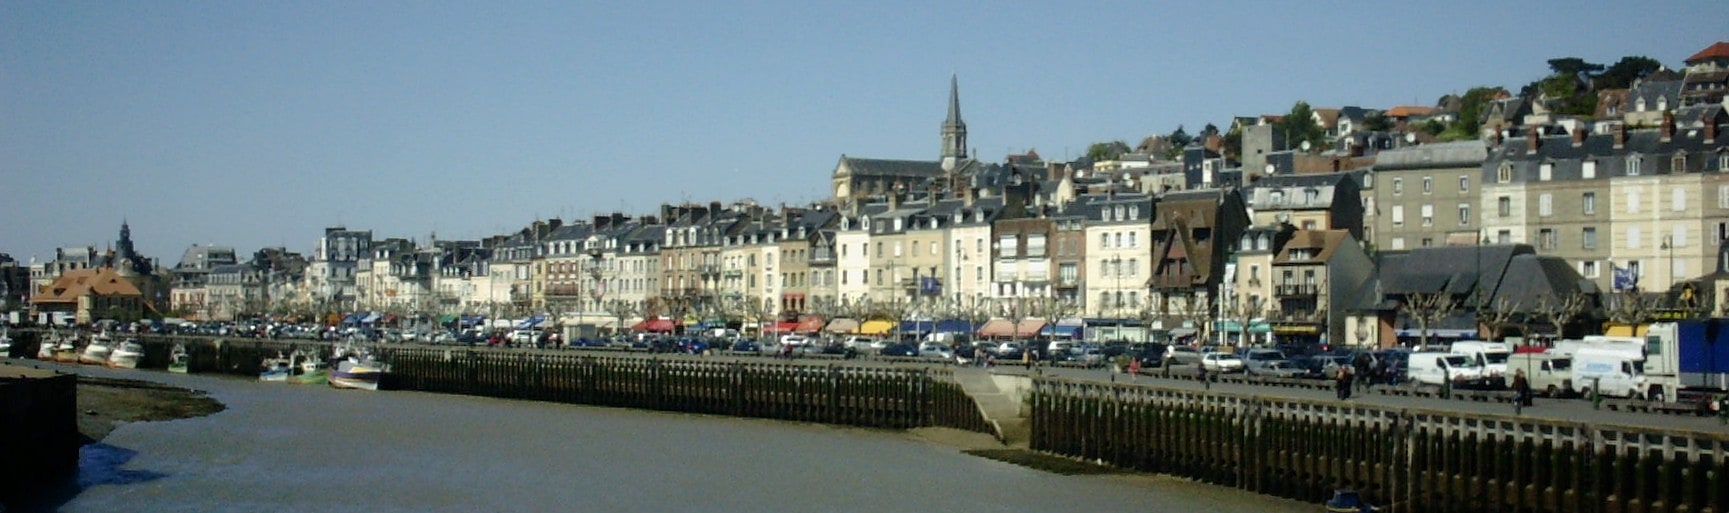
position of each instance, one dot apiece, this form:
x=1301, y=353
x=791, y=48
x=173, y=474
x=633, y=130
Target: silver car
x=1222, y=363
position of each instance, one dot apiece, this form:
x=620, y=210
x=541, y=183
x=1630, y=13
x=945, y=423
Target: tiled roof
x=886, y=167
x=1718, y=50
x=71, y=285
x=1405, y=111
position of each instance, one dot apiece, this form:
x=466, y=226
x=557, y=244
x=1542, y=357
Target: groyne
x=1402, y=459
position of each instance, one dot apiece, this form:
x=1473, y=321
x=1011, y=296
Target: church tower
x=954, y=130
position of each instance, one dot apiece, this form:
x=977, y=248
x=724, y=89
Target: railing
x=1296, y=289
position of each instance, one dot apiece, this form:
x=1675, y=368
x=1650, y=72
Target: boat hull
x=357, y=377
x=66, y=354
x=313, y=377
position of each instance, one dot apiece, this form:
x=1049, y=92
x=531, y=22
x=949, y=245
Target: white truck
x=1611, y=371
x=1492, y=356
x=1549, y=374
x=1436, y=368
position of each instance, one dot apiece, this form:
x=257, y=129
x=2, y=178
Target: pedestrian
x=1342, y=382
x=1027, y=358
x=1134, y=368
x=1521, y=388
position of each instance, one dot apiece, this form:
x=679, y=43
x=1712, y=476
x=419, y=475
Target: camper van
x=1548, y=374
x=1611, y=372
x=1435, y=368
x=1492, y=356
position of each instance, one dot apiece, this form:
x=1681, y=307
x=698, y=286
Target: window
x=1428, y=215
x=1545, y=205
x=1722, y=233
x=1504, y=173
x=1311, y=196
x=979, y=245
x=916, y=247
x=1134, y=267
x=1398, y=215
x=1035, y=245
x=1133, y=241
x=1588, y=202
x=1633, y=237
x=1723, y=162
x=1678, y=163
x=1633, y=162
x=1428, y=185
x=1678, y=199
x=1428, y=241
x=1588, y=238
x=1504, y=206
x=1398, y=185
x=1633, y=201
x=897, y=248
x=1588, y=169
x=1504, y=237
x=1398, y=243
x=1119, y=239
x=1104, y=240
x=1723, y=196
x=1464, y=184
x=1678, y=236
x=1545, y=172
x=879, y=250
x=1546, y=238
x=1589, y=269
x=1464, y=214
x=1008, y=246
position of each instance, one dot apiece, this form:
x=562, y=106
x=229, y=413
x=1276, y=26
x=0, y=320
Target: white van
x=1549, y=374
x=1609, y=371
x=1492, y=356
x=1434, y=369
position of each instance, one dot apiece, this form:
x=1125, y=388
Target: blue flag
x=1624, y=278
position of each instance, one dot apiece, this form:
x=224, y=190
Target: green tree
x=1574, y=67
x=1378, y=122
x=1299, y=126
x=1471, y=107
x=1107, y=150
x=1234, y=143
x=1624, y=72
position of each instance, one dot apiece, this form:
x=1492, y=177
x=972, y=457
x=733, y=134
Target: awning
x=1438, y=333
x=917, y=327
x=954, y=326
x=876, y=327
x=809, y=324
x=446, y=319
x=661, y=326
x=531, y=322
x=370, y=318
x=997, y=328
x=1029, y=327
x=354, y=318
x=842, y=325
x=1182, y=332
x=779, y=327
x=1061, y=331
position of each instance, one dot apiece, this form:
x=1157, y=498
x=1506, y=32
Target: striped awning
x=842, y=325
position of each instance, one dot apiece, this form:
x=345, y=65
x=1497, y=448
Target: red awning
x=661, y=326
x=809, y=324
x=641, y=326
x=779, y=327
x=997, y=328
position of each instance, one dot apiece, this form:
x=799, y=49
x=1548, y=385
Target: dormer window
x=1678, y=163
x=1504, y=173
x=1662, y=103
x=1633, y=165
x=1639, y=105
x=897, y=224
x=1134, y=212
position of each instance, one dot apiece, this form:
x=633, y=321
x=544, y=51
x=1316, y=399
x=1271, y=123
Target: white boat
x=5, y=343
x=97, y=351
x=274, y=369
x=45, y=348
x=178, y=360
x=357, y=369
x=126, y=354
x=66, y=349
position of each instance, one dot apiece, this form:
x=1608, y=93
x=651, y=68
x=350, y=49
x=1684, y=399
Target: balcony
x=563, y=290
x=1068, y=282
x=1296, y=290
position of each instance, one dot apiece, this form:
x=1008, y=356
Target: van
x=1610, y=372
x=1435, y=369
x=1548, y=374
x=1492, y=356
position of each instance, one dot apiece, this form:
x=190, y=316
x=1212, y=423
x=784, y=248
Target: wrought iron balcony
x=1296, y=289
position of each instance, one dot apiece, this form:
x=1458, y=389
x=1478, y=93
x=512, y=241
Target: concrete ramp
x=999, y=399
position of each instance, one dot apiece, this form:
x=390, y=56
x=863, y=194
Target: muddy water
x=291, y=448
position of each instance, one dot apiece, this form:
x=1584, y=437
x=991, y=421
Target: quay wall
x=1400, y=459
x=39, y=437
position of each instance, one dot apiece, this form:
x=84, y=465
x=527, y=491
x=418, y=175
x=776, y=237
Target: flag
x=1624, y=278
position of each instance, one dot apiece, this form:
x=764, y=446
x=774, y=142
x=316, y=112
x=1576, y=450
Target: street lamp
x=1668, y=247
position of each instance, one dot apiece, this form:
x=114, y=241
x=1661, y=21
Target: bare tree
x=893, y=310
x=1499, y=316
x=621, y=310
x=1559, y=311
x=1629, y=308
x=1198, y=312
x=1428, y=308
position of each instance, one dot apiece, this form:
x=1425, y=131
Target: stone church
x=864, y=179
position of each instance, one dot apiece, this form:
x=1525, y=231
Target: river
x=311, y=448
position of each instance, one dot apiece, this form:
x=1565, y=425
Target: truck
x=1611, y=371
x=1437, y=369
x=1687, y=360
x=1492, y=356
x=1548, y=374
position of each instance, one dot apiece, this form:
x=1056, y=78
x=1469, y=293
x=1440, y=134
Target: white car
x=936, y=351
x=1221, y=362
x=862, y=343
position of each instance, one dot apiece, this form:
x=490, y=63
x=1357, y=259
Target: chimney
x=967, y=195
x=1533, y=140
x=1500, y=135
x=1578, y=136
x=1620, y=135
x=1710, y=130
x=1667, y=129
x=894, y=200
x=713, y=209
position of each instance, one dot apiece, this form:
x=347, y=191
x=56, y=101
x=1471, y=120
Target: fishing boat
x=274, y=369
x=178, y=360
x=45, y=347
x=96, y=352
x=306, y=368
x=126, y=354
x=5, y=343
x=357, y=369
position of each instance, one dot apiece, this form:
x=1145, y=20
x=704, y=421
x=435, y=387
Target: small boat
x=178, y=359
x=96, y=352
x=126, y=354
x=66, y=349
x=45, y=348
x=358, y=370
x=306, y=368
x=274, y=369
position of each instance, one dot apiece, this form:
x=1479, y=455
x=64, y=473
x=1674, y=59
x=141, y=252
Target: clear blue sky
x=253, y=124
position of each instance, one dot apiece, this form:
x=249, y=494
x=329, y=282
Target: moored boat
x=357, y=369
x=45, y=348
x=178, y=359
x=66, y=349
x=126, y=354
x=274, y=369
x=96, y=352
x=306, y=368
x=5, y=343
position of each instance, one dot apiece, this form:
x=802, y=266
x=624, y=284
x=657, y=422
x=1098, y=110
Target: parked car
x=745, y=345
x=936, y=351
x=1257, y=361
x=1282, y=369
x=860, y=343
x=1222, y=362
x=900, y=349
x=1177, y=354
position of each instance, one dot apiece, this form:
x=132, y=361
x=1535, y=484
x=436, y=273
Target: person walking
x=1134, y=368
x=1342, y=381
x=1521, y=391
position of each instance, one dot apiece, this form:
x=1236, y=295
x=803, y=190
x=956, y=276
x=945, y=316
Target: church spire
x=954, y=130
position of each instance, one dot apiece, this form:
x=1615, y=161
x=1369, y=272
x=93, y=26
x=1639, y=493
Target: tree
x=1471, y=107
x=1574, y=67
x=1428, y=308
x=621, y=310
x=1624, y=72
x=1561, y=310
x=1629, y=308
x=1299, y=126
x=1378, y=122
x=1234, y=143
x=1499, y=316
x=1107, y=150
